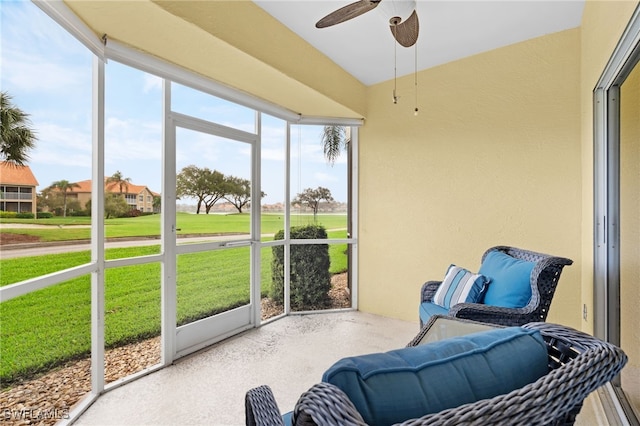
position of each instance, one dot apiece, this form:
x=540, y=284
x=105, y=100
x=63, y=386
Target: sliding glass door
x=617, y=213
x=630, y=235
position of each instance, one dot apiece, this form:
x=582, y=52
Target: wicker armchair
x=544, y=279
x=578, y=364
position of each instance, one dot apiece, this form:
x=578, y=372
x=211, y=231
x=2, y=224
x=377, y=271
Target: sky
x=48, y=73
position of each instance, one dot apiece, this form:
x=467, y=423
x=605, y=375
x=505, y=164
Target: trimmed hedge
x=310, y=278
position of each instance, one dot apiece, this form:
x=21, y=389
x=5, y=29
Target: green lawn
x=45, y=328
x=70, y=228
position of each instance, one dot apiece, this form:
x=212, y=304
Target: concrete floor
x=289, y=355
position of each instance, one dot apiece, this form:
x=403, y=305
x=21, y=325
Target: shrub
x=8, y=215
x=25, y=216
x=310, y=279
x=45, y=215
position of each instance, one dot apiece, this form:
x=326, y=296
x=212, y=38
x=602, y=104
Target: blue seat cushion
x=427, y=309
x=510, y=285
x=395, y=386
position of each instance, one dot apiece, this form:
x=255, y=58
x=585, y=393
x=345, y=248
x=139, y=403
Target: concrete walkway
x=11, y=251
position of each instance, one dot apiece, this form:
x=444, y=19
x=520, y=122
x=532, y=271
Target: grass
x=64, y=229
x=46, y=328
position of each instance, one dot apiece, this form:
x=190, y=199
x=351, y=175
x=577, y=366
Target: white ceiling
x=449, y=30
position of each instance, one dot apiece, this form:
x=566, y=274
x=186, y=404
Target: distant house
x=17, y=188
x=138, y=197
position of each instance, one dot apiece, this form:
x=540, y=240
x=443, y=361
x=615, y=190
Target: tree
x=157, y=203
x=312, y=198
x=63, y=186
x=16, y=136
x=334, y=140
x=50, y=199
x=204, y=185
x=119, y=181
x=115, y=206
x=215, y=185
x=238, y=192
x=191, y=182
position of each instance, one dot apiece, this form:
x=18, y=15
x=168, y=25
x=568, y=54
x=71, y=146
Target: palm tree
x=16, y=137
x=64, y=186
x=334, y=139
x=119, y=180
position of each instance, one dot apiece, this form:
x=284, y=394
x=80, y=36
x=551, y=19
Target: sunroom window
x=231, y=171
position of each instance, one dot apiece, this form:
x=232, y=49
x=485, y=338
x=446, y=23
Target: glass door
x=617, y=227
x=213, y=231
x=629, y=244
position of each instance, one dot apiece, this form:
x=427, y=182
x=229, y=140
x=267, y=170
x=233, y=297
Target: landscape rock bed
x=10, y=238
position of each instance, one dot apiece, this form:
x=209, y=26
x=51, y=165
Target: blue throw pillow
x=392, y=387
x=460, y=286
x=510, y=280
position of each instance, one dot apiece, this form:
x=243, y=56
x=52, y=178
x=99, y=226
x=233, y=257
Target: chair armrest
x=261, y=408
x=493, y=314
x=428, y=290
x=326, y=404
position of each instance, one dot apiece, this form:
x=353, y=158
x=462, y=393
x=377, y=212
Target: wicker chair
x=578, y=365
x=544, y=279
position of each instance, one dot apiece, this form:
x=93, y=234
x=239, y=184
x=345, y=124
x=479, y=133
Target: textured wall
x=492, y=158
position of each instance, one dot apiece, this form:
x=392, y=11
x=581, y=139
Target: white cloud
x=273, y=154
x=32, y=74
x=66, y=140
x=151, y=83
x=196, y=148
x=60, y=153
x=325, y=177
x=62, y=159
x=40, y=56
x=131, y=139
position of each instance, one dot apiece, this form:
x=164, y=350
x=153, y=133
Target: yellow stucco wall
x=493, y=158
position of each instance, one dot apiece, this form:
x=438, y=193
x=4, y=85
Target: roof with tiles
x=11, y=174
x=129, y=188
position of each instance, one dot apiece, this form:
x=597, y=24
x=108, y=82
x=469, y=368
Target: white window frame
x=104, y=49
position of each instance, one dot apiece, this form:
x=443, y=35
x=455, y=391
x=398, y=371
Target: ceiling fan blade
x=406, y=33
x=347, y=12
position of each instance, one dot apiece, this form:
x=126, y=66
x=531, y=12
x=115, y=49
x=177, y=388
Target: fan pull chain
x=415, y=77
x=395, y=71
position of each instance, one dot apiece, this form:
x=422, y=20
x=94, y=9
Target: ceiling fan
x=405, y=32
